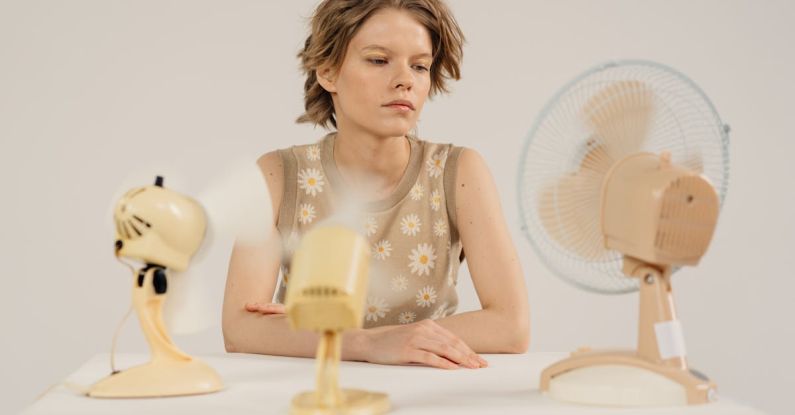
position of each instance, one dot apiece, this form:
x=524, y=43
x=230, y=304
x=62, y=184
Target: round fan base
x=355, y=402
x=616, y=385
x=159, y=378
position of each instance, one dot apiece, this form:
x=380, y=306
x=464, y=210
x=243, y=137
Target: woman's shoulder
x=432, y=145
x=462, y=157
x=272, y=168
x=273, y=163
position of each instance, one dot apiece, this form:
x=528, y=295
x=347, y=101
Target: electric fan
x=326, y=294
x=621, y=180
x=165, y=232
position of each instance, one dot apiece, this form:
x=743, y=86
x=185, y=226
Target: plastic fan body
x=326, y=294
x=621, y=182
x=173, y=236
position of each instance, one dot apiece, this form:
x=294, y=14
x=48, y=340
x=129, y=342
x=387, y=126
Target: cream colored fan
x=326, y=294
x=170, y=237
x=621, y=182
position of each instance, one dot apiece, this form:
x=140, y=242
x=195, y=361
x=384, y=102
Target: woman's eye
x=377, y=61
x=421, y=68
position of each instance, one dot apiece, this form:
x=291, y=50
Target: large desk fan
x=620, y=184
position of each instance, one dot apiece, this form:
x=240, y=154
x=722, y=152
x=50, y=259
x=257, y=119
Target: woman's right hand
x=424, y=342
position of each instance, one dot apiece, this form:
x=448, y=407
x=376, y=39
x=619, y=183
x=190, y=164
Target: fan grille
x=568, y=138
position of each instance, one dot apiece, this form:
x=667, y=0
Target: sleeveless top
x=414, y=241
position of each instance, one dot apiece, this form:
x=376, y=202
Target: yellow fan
x=162, y=231
x=621, y=183
x=326, y=294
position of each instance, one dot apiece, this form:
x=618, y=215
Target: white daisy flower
x=440, y=228
x=436, y=164
x=436, y=200
x=440, y=312
x=426, y=296
x=311, y=181
x=306, y=213
x=376, y=308
x=410, y=225
x=370, y=226
x=416, y=191
x=423, y=259
x=313, y=153
x=382, y=249
x=400, y=283
x=407, y=317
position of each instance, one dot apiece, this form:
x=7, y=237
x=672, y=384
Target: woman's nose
x=404, y=78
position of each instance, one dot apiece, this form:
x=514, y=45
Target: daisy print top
x=414, y=243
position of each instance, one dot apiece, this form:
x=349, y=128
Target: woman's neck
x=371, y=164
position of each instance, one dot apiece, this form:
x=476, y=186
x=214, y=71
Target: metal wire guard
x=679, y=118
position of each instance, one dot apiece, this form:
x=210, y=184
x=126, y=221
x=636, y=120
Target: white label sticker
x=670, y=339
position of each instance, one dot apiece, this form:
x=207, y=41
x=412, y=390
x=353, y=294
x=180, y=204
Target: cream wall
x=92, y=91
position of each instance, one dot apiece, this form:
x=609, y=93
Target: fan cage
x=685, y=123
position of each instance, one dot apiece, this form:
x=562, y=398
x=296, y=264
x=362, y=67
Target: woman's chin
x=385, y=127
x=393, y=129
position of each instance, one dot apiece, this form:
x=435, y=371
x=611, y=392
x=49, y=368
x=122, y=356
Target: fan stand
x=655, y=375
x=170, y=372
x=329, y=398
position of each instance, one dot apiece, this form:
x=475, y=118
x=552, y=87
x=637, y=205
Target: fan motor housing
x=657, y=211
x=159, y=226
x=328, y=280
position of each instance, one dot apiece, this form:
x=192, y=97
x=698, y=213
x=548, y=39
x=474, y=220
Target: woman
x=370, y=67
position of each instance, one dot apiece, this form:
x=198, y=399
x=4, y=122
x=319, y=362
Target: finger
x=459, y=344
x=430, y=359
x=446, y=350
x=268, y=308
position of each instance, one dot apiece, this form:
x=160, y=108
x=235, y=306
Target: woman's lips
x=400, y=104
x=399, y=107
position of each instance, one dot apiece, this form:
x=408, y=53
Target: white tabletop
x=265, y=385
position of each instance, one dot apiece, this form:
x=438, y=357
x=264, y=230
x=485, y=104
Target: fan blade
x=239, y=210
x=620, y=115
x=694, y=161
x=569, y=211
x=238, y=204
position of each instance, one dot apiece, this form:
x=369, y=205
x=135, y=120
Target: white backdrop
x=93, y=91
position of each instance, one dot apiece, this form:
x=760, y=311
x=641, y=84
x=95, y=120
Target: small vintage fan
x=620, y=183
x=326, y=294
x=167, y=233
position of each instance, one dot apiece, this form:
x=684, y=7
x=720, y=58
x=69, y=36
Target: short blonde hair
x=335, y=22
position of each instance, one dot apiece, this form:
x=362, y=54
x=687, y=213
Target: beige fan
x=621, y=183
x=161, y=231
x=326, y=294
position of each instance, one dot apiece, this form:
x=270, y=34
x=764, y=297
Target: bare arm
x=503, y=323
x=252, y=275
x=251, y=325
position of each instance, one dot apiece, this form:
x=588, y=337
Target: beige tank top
x=412, y=233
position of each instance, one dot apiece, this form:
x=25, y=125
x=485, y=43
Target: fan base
x=623, y=379
x=354, y=402
x=159, y=378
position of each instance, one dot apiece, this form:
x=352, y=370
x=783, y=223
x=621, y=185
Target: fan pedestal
x=622, y=378
x=171, y=372
x=329, y=398
x=654, y=375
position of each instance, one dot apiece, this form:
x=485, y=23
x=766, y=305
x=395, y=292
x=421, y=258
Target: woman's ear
x=326, y=77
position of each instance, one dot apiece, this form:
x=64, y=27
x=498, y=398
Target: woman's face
x=388, y=60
